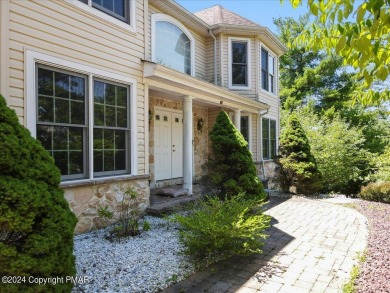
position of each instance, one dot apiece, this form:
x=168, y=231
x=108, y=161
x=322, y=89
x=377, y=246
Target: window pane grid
x=62, y=128
x=61, y=119
x=116, y=8
x=110, y=128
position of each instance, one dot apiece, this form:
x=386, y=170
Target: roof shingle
x=219, y=15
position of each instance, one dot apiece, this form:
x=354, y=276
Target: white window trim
x=32, y=58
x=276, y=77
x=87, y=7
x=163, y=17
x=269, y=129
x=249, y=53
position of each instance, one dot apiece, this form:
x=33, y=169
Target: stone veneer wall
x=270, y=170
x=85, y=200
x=200, y=136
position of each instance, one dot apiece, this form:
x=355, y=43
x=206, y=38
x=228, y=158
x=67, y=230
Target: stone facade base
x=85, y=199
x=268, y=169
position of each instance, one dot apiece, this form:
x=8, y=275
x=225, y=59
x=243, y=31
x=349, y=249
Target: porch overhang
x=161, y=77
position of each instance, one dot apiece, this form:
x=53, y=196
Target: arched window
x=172, y=44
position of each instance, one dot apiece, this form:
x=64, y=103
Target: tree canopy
x=360, y=34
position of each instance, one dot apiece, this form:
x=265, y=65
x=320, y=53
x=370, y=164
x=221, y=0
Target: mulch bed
x=374, y=273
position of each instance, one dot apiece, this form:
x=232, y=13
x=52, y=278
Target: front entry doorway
x=168, y=144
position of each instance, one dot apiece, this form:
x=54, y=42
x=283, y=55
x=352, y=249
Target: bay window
x=267, y=71
x=239, y=63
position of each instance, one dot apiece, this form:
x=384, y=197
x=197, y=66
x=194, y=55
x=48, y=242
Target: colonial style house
x=124, y=92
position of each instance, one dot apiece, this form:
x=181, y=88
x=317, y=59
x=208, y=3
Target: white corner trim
x=164, y=17
x=32, y=58
x=131, y=27
x=249, y=64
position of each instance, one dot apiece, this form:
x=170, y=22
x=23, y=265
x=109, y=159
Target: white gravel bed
x=148, y=262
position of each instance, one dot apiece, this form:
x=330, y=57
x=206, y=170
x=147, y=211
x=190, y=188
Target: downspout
x=261, y=157
x=215, y=56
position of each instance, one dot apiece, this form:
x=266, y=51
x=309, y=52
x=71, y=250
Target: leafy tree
x=309, y=74
x=360, y=36
x=382, y=166
x=298, y=166
x=231, y=168
x=36, y=224
x=339, y=150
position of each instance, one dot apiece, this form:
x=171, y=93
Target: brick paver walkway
x=312, y=248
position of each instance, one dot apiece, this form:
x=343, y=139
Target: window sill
x=97, y=181
x=245, y=88
x=106, y=17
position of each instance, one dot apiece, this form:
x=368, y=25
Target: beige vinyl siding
x=62, y=30
x=210, y=60
x=200, y=44
x=254, y=138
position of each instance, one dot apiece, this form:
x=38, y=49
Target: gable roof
x=219, y=15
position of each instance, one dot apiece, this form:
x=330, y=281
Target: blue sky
x=260, y=11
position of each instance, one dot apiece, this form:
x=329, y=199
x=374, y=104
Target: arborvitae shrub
x=230, y=168
x=298, y=166
x=36, y=224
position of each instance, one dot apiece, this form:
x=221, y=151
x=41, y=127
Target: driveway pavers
x=312, y=247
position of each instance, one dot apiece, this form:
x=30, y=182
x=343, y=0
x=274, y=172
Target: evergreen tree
x=36, y=224
x=231, y=168
x=298, y=166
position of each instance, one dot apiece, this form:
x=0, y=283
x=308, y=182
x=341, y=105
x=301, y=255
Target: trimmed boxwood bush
x=36, y=224
x=299, y=169
x=230, y=168
x=217, y=229
x=378, y=191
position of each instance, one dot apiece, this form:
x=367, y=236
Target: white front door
x=168, y=145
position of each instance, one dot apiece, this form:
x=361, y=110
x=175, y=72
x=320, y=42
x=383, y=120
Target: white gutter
x=215, y=56
x=261, y=155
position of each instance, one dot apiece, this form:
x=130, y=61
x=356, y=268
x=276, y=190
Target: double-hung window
x=268, y=138
x=267, y=71
x=239, y=63
x=63, y=108
x=116, y=8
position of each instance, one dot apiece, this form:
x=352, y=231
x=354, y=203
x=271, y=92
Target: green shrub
x=217, y=229
x=339, y=151
x=129, y=215
x=230, y=168
x=378, y=191
x=298, y=166
x=36, y=224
